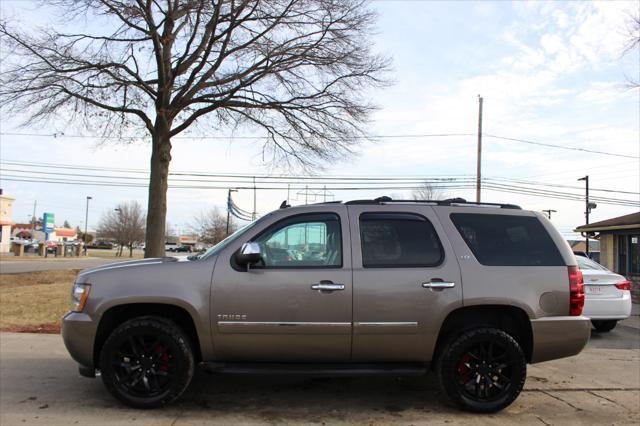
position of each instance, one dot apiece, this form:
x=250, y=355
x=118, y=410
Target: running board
x=318, y=369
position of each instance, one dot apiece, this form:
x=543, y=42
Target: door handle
x=327, y=287
x=439, y=284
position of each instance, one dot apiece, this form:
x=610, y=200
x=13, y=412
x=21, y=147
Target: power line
x=233, y=137
x=450, y=185
x=572, y=148
x=370, y=137
x=208, y=174
x=230, y=178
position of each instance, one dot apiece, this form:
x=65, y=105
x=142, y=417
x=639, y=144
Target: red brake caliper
x=463, y=370
x=164, y=359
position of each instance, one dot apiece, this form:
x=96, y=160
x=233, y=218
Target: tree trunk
x=158, y=184
x=131, y=250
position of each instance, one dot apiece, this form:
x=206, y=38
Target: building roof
x=24, y=226
x=579, y=245
x=65, y=232
x=629, y=221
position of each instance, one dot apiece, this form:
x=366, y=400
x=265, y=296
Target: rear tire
x=604, y=326
x=483, y=370
x=147, y=362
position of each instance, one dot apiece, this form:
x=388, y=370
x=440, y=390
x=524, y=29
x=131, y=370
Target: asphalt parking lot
x=39, y=384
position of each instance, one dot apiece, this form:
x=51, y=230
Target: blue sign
x=48, y=221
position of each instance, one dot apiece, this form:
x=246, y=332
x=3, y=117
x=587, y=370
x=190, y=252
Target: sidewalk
x=634, y=320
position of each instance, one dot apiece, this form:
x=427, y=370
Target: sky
x=549, y=72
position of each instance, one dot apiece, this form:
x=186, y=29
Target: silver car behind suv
x=473, y=292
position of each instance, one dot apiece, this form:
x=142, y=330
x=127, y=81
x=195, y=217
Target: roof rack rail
x=447, y=202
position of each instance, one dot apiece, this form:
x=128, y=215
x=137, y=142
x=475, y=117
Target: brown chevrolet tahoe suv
x=471, y=291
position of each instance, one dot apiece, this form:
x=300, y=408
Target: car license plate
x=594, y=289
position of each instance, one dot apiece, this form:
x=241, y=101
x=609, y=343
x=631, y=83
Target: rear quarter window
x=504, y=240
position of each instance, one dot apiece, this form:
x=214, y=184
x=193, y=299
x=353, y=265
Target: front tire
x=483, y=370
x=147, y=362
x=604, y=326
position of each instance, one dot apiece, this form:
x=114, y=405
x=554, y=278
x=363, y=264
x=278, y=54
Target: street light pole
x=33, y=220
x=86, y=223
x=479, y=158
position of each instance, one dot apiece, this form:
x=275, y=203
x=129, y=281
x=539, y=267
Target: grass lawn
x=137, y=254
x=35, y=301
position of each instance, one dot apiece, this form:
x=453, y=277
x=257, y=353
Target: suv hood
x=132, y=264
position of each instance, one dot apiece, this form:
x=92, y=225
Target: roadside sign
x=48, y=222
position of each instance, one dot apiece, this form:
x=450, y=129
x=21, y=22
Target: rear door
x=405, y=281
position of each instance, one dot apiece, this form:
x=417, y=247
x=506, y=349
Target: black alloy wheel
x=147, y=362
x=483, y=370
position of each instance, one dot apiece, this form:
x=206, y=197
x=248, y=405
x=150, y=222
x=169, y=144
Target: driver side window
x=311, y=241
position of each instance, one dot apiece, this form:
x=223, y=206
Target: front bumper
x=559, y=337
x=615, y=308
x=78, y=334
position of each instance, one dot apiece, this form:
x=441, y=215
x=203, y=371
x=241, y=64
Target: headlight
x=79, y=295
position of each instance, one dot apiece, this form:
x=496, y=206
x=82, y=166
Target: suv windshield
x=231, y=238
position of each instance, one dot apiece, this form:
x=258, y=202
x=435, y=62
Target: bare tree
x=125, y=225
x=428, y=191
x=296, y=71
x=80, y=236
x=633, y=44
x=211, y=227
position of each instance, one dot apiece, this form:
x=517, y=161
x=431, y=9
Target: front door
x=295, y=306
x=405, y=281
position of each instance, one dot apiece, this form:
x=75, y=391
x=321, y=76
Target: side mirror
x=249, y=254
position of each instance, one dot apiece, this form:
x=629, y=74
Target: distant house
x=619, y=246
x=29, y=232
x=64, y=234
x=6, y=214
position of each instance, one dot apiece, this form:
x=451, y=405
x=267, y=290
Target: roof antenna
x=383, y=199
x=455, y=200
x=284, y=205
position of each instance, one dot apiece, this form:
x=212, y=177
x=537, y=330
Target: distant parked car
x=607, y=295
x=101, y=245
x=183, y=249
x=51, y=246
x=31, y=246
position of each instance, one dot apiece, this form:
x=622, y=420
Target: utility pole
x=479, y=165
x=306, y=194
x=33, y=219
x=86, y=223
x=253, y=215
x=587, y=209
x=548, y=212
x=325, y=194
x=229, y=207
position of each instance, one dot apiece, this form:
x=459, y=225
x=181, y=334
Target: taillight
x=576, y=291
x=624, y=285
